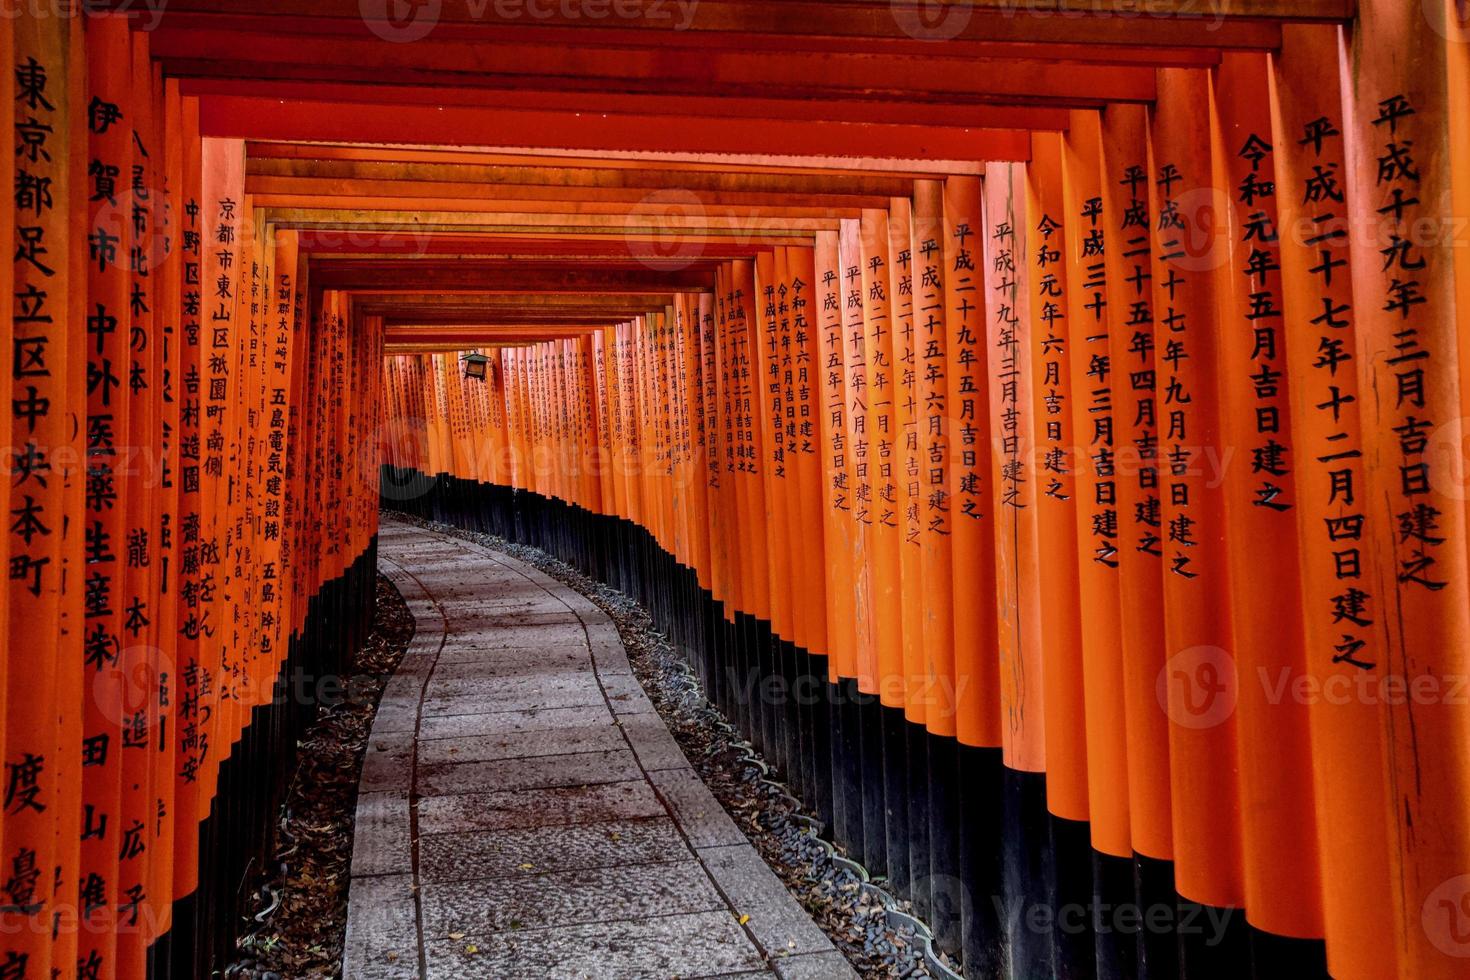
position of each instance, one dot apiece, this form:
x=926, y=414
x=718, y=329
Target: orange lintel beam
x=992, y=109
x=472, y=332
x=256, y=118
x=703, y=241
x=552, y=68
x=550, y=302
x=459, y=320
x=1135, y=52
x=408, y=311
x=440, y=197
x=741, y=164
x=1247, y=24
x=337, y=243
x=466, y=277
x=568, y=176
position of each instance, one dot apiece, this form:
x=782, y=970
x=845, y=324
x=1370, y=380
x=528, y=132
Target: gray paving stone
x=604, y=633
x=652, y=743
x=510, y=660
x=425, y=642
x=490, y=635
x=701, y=943
x=522, y=720
x=510, y=593
x=387, y=763
x=699, y=814
x=469, y=567
x=522, y=745
x=542, y=772
x=428, y=624
x=508, y=619
x=776, y=919
x=540, y=608
x=402, y=687
x=520, y=693
x=489, y=590
x=532, y=573
x=625, y=694
x=381, y=835
x=505, y=663
x=530, y=850
x=478, y=908
x=402, y=581
x=557, y=806
x=522, y=689
x=611, y=657
x=587, y=611
x=382, y=939
x=816, y=966
x=416, y=667
x=396, y=715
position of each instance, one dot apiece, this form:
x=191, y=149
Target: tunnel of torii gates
x=1043, y=433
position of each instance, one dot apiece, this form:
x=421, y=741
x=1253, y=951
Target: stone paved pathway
x=524, y=813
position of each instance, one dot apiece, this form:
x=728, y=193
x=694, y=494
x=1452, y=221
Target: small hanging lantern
x=475, y=365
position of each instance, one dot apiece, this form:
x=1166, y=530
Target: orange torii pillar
x=1169, y=413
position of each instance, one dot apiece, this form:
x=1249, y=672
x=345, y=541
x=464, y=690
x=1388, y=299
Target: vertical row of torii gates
x=1075, y=389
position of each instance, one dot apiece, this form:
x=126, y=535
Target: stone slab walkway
x=524, y=812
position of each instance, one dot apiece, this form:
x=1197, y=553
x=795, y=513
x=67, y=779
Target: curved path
x=523, y=812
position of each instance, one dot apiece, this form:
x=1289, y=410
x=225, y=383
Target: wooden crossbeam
x=1170, y=23
x=418, y=196
x=552, y=159
x=462, y=277
x=678, y=226
x=253, y=117
x=327, y=163
x=618, y=74
x=630, y=250
x=987, y=110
